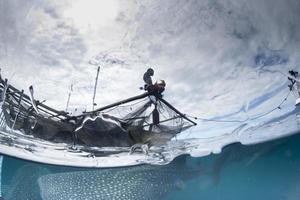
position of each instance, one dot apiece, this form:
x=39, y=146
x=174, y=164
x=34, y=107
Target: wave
x=16, y=144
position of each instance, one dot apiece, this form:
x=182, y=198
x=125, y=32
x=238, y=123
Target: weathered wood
x=28, y=103
x=40, y=105
x=146, y=94
x=19, y=106
x=95, y=87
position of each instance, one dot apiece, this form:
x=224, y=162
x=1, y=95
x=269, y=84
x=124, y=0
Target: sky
x=223, y=59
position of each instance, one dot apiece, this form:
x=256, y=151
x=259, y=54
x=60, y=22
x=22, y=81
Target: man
x=294, y=84
x=158, y=87
x=147, y=78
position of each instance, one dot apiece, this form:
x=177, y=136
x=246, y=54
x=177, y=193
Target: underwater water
x=226, y=65
x=269, y=170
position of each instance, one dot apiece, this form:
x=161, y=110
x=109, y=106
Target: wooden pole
x=19, y=105
x=42, y=106
x=119, y=103
x=71, y=90
x=95, y=87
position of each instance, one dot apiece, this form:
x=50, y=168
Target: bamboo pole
x=95, y=88
x=118, y=103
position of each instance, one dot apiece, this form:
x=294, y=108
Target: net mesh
x=141, y=114
x=146, y=120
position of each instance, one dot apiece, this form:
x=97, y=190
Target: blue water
x=1, y=159
x=269, y=170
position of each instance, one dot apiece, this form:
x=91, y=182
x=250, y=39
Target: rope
x=259, y=116
x=278, y=107
x=248, y=119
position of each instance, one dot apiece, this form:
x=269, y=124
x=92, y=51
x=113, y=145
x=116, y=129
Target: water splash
x=27, y=147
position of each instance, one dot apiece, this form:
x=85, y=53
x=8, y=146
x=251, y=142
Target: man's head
x=150, y=71
x=293, y=73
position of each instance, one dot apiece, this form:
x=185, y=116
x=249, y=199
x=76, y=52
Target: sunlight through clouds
x=92, y=13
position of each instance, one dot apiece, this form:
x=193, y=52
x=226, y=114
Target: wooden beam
x=46, y=108
x=146, y=94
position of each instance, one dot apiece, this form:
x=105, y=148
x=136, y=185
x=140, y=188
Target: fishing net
x=147, y=119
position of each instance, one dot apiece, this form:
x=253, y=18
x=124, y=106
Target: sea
x=269, y=170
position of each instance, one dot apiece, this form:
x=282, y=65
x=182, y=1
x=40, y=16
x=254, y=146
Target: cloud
x=211, y=53
x=268, y=57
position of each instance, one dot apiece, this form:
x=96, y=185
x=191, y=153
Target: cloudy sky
x=218, y=58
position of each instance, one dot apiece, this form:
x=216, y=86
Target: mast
x=71, y=90
x=95, y=87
